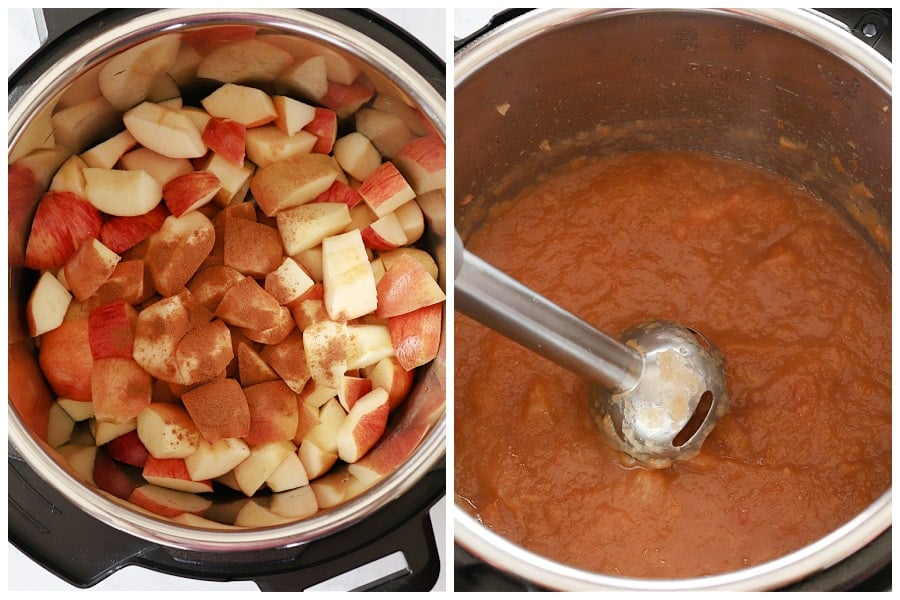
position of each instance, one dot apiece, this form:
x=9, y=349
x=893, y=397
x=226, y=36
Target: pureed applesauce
x=796, y=300
x=231, y=297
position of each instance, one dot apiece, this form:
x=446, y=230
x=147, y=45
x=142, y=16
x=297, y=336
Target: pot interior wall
x=642, y=80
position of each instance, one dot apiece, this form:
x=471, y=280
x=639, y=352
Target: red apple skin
x=128, y=449
x=227, y=138
x=62, y=221
x=24, y=192
x=111, y=330
x=345, y=99
x=324, y=127
x=124, y=233
x=416, y=336
x=205, y=40
x=183, y=193
x=110, y=477
x=340, y=192
x=66, y=360
x=28, y=392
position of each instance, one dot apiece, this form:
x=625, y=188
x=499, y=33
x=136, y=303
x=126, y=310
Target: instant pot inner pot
x=31, y=128
x=803, y=104
x=723, y=84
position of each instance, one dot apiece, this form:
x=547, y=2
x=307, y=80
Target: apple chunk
x=416, y=336
x=89, y=268
x=66, y=361
x=178, y=249
x=164, y=130
x=347, y=277
x=304, y=227
x=120, y=388
x=215, y=459
x=168, y=503
x=190, y=191
x=47, y=305
x=293, y=181
x=244, y=61
x=385, y=189
x=273, y=412
x=167, y=431
x=172, y=473
x=264, y=459
x=219, y=409
x=422, y=162
x=128, y=77
x=325, y=344
x=63, y=221
x=121, y=193
x=249, y=106
x=406, y=286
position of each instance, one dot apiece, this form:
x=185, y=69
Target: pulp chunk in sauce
x=796, y=300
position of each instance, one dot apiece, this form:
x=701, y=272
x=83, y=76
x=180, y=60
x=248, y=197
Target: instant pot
x=794, y=91
x=80, y=535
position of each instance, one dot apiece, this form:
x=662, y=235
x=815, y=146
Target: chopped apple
x=47, y=305
x=247, y=304
x=289, y=475
x=78, y=126
x=121, y=193
x=293, y=115
x=127, y=78
x=89, y=267
x=62, y=222
x=168, y=503
x=81, y=459
x=190, y=191
x=288, y=359
x=364, y=425
x=167, y=431
x=296, y=503
x=274, y=334
x=306, y=226
x=422, y=162
x=159, y=167
x=164, y=130
x=307, y=419
x=106, y=431
x=59, y=426
x=252, y=369
x=392, y=451
x=311, y=261
x=120, y=234
x=412, y=220
x=219, y=409
x=316, y=460
x=385, y=189
x=252, y=248
x=390, y=376
x=77, y=409
x=212, y=460
x=410, y=115
x=307, y=78
x=111, y=330
x=367, y=343
x=325, y=344
x=249, y=106
x=106, y=154
x=211, y=283
x=317, y=395
x=292, y=182
x=268, y=144
x=416, y=335
x=343, y=193
x=159, y=329
x=66, y=361
x=120, y=388
x=385, y=233
x=387, y=131
x=352, y=389
x=331, y=489
x=421, y=256
x=346, y=99
x=254, y=514
x=264, y=459
x=178, y=249
x=227, y=138
x=244, y=61
x=273, y=412
x=287, y=282
x=172, y=473
x=308, y=311
x=111, y=477
x=128, y=448
x=346, y=276
x=203, y=353
x=234, y=179
x=325, y=127
x=357, y=155
x=27, y=179
x=69, y=177
x=406, y=286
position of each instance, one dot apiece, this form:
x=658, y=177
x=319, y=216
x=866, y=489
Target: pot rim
x=37, y=454
x=818, y=29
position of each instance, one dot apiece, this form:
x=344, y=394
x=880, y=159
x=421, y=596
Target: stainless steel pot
x=788, y=90
x=33, y=92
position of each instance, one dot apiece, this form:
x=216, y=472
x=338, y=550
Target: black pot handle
x=497, y=20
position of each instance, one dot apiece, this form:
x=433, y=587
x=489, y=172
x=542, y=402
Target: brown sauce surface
x=796, y=300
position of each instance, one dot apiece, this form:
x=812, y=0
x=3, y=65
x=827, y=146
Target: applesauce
x=798, y=302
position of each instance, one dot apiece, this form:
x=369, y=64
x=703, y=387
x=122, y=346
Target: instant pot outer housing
x=791, y=91
x=82, y=534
